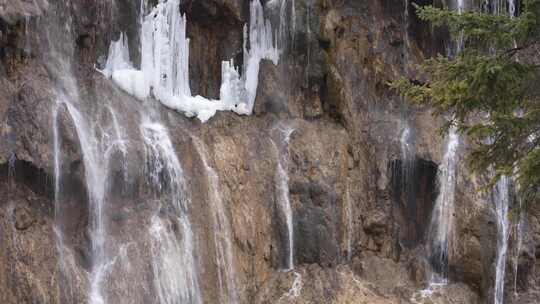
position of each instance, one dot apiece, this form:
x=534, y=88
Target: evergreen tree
x=489, y=89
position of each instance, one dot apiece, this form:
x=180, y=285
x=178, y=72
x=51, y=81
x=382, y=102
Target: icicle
x=118, y=58
x=232, y=87
x=164, y=72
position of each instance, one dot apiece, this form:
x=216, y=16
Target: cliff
x=326, y=193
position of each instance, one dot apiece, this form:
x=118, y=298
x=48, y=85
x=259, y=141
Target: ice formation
x=164, y=73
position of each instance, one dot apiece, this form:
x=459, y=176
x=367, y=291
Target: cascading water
x=520, y=226
x=222, y=231
x=101, y=138
x=501, y=196
x=441, y=227
x=294, y=291
x=501, y=200
x=96, y=153
x=282, y=182
x=173, y=263
x=408, y=158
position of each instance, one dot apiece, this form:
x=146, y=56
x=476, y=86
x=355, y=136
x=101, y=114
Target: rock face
x=360, y=214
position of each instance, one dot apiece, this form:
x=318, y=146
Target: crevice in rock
x=414, y=191
x=24, y=172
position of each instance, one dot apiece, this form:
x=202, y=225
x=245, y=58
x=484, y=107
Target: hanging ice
x=261, y=46
x=164, y=72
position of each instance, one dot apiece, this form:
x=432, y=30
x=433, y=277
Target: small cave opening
x=23, y=172
x=414, y=191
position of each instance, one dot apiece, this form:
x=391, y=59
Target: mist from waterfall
x=222, y=231
x=281, y=147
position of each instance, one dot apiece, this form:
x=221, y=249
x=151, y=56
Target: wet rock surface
x=357, y=239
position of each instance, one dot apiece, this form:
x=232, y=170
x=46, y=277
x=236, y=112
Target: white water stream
x=442, y=221
x=222, y=231
x=173, y=263
x=501, y=200
x=281, y=148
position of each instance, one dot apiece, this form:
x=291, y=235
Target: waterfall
x=173, y=263
x=97, y=147
x=58, y=231
x=56, y=151
x=501, y=200
x=164, y=72
x=222, y=231
x=512, y=10
x=170, y=236
x=441, y=227
x=282, y=184
x=405, y=183
x=440, y=233
x=408, y=155
x=65, y=259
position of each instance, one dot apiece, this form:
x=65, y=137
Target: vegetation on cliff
x=488, y=88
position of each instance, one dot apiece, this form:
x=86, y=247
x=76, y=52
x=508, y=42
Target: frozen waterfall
x=164, y=73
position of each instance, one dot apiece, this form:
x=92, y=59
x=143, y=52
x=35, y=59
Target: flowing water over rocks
x=327, y=189
x=281, y=147
x=222, y=230
x=441, y=236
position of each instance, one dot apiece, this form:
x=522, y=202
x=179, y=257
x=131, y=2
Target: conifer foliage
x=489, y=89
